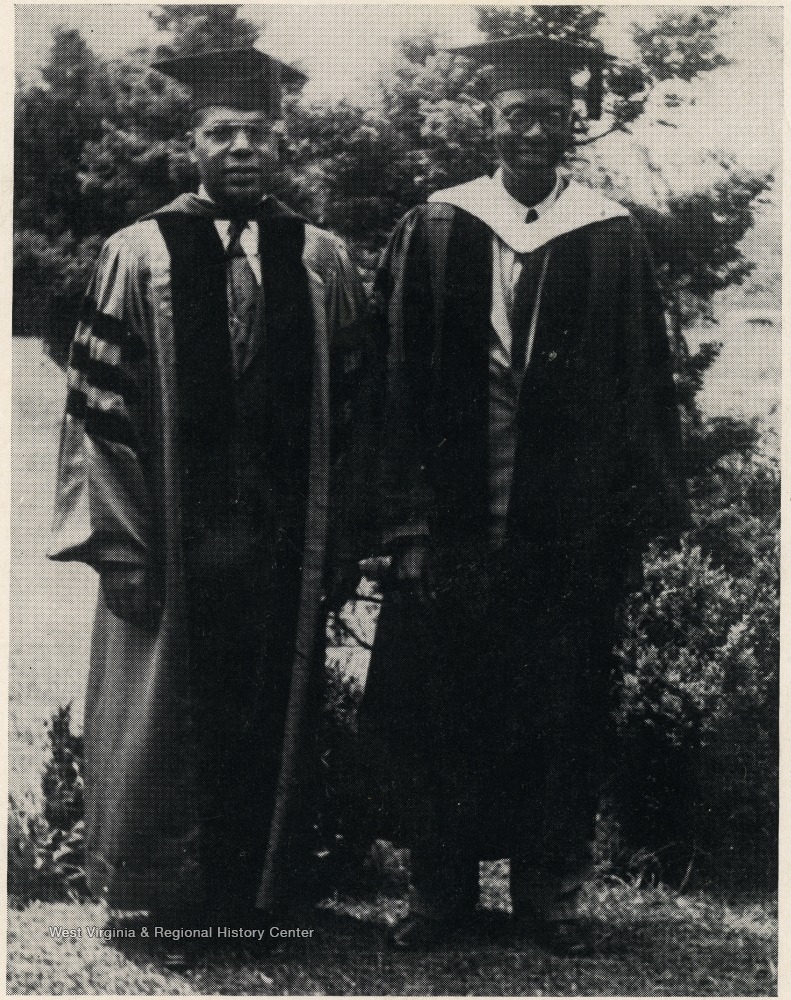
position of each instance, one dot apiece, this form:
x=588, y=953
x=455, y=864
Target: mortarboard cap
x=534, y=61
x=246, y=79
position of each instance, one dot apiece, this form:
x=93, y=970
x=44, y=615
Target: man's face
x=531, y=129
x=237, y=154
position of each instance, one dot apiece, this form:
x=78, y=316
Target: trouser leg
x=571, y=689
x=239, y=703
x=547, y=876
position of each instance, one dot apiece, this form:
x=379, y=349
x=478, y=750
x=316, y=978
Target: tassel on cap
x=535, y=62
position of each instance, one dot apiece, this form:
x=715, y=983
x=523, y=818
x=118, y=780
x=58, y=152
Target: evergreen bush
x=46, y=851
x=695, y=782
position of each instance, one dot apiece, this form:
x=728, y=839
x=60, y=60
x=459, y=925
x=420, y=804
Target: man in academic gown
x=530, y=451
x=212, y=408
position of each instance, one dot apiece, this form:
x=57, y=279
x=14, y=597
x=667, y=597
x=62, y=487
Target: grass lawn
x=51, y=603
x=653, y=943
x=656, y=944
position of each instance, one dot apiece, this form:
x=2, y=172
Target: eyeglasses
x=521, y=118
x=225, y=133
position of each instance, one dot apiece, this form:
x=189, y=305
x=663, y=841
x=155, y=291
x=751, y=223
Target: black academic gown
x=485, y=709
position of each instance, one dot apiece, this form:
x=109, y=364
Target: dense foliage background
x=693, y=789
x=101, y=142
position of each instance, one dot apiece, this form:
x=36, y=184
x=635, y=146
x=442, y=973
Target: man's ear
x=190, y=137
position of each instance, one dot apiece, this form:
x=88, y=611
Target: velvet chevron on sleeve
x=234, y=489
x=103, y=500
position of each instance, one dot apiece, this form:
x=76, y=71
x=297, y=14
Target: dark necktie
x=242, y=295
x=524, y=300
x=525, y=294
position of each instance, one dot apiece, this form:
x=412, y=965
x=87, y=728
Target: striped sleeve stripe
x=100, y=350
x=87, y=310
x=110, y=425
x=111, y=330
x=102, y=375
x=76, y=404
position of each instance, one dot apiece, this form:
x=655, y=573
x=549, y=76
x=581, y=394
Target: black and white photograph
x=395, y=500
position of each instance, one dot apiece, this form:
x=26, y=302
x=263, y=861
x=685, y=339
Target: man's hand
x=126, y=592
x=413, y=569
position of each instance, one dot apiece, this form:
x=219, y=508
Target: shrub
x=58, y=273
x=694, y=787
x=353, y=861
x=338, y=793
x=696, y=779
x=43, y=863
x=62, y=782
x=46, y=852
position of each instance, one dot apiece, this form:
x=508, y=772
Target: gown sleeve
x=658, y=469
x=102, y=506
x=405, y=321
x=354, y=405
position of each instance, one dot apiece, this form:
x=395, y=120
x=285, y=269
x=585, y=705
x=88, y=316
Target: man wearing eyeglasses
x=530, y=451
x=212, y=408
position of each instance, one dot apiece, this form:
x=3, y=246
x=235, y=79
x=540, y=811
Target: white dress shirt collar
x=248, y=237
x=572, y=207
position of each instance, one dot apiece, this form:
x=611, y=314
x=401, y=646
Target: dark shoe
x=419, y=933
